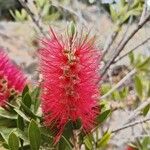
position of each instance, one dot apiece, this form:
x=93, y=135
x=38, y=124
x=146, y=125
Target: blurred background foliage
x=119, y=11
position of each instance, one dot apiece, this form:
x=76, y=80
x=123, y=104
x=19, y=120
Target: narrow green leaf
x=13, y=142
x=138, y=86
x=20, y=123
x=103, y=116
x=37, y=105
x=146, y=62
x=27, y=100
x=22, y=135
x=116, y=95
x=113, y=13
x=19, y=112
x=146, y=110
x=104, y=140
x=5, y=132
x=24, y=14
x=71, y=29
x=5, y=145
x=34, y=135
x=146, y=143
x=35, y=98
x=105, y=88
x=7, y=122
x=68, y=130
x=25, y=90
x=28, y=111
x=6, y=114
x=18, y=15
x=148, y=90
x=88, y=143
x=131, y=57
x=65, y=144
x=13, y=14
x=45, y=10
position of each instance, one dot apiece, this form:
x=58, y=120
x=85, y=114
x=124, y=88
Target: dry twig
x=126, y=54
x=131, y=125
x=129, y=75
x=137, y=111
x=123, y=44
x=35, y=21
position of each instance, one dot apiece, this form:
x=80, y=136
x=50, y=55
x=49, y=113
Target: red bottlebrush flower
x=70, y=71
x=130, y=148
x=12, y=80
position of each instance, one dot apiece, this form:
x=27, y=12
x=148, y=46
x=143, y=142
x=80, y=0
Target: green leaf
x=146, y=110
x=40, y=3
x=71, y=29
x=35, y=93
x=23, y=13
x=12, y=14
x=13, y=142
x=145, y=63
x=64, y=144
x=45, y=10
x=105, y=88
x=37, y=105
x=124, y=92
x=7, y=114
x=67, y=133
x=35, y=98
x=116, y=95
x=27, y=100
x=88, y=142
x=146, y=143
x=113, y=13
x=20, y=123
x=5, y=145
x=131, y=57
x=25, y=90
x=103, y=116
x=5, y=132
x=34, y=135
x=134, y=12
x=148, y=91
x=28, y=111
x=22, y=135
x=18, y=15
x=104, y=140
x=20, y=113
x=138, y=86
x=7, y=122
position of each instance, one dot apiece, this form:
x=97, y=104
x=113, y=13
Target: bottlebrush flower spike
x=70, y=70
x=130, y=148
x=12, y=80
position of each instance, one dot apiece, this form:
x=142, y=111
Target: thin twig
x=126, y=54
x=126, y=31
x=110, y=41
x=137, y=111
x=35, y=21
x=129, y=75
x=143, y=12
x=131, y=125
x=121, y=47
x=68, y=9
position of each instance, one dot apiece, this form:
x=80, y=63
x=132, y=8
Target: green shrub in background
x=5, y=5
